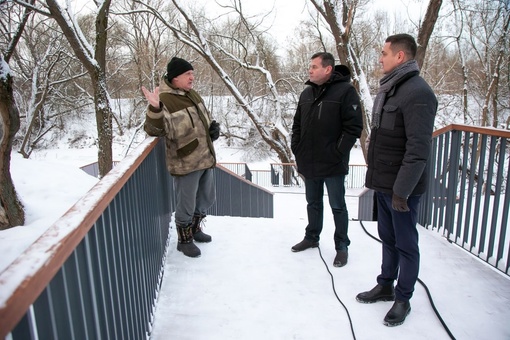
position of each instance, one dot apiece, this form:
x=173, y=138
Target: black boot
x=397, y=314
x=341, y=258
x=378, y=293
x=303, y=245
x=196, y=228
x=185, y=243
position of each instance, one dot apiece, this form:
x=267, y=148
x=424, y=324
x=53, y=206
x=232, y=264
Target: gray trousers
x=195, y=192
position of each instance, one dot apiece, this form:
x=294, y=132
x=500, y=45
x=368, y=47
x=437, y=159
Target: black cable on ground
x=334, y=290
x=424, y=286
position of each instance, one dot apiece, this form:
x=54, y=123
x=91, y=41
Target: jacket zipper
x=320, y=103
x=190, y=118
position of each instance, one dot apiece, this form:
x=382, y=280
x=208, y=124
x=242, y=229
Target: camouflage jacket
x=184, y=121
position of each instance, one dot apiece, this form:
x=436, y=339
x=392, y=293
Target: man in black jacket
x=326, y=125
x=400, y=143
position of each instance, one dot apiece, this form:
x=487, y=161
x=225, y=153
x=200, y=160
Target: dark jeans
x=315, y=208
x=400, y=251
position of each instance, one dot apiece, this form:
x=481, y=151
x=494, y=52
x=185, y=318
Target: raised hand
x=152, y=97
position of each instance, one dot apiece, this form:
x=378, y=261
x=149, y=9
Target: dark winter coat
x=326, y=125
x=400, y=148
x=184, y=122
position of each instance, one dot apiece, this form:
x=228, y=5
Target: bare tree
x=459, y=18
x=486, y=37
x=39, y=64
x=150, y=47
x=93, y=58
x=273, y=133
x=11, y=209
x=492, y=89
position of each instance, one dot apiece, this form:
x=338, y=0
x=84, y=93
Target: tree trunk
x=104, y=125
x=460, y=20
x=94, y=62
x=11, y=209
x=101, y=101
x=493, y=85
x=426, y=29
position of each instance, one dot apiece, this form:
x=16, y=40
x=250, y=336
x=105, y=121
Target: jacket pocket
x=187, y=149
x=388, y=117
x=390, y=163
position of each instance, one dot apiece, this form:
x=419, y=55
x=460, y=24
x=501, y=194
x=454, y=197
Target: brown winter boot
x=196, y=228
x=185, y=241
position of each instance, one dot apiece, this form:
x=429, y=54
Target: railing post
x=451, y=190
x=497, y=197
x=463, y=177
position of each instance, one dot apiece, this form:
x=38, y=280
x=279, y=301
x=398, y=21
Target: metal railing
x=236, y=196
x=468, y=198
x=96, y=272
x=240, y=169
x=286, y=175
x=468, y=195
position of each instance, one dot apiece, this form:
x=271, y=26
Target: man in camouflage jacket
x=177, y=113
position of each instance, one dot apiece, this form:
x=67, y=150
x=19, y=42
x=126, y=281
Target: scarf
x=386, y=84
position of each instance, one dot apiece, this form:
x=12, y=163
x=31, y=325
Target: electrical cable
x=334, y=291
x=419, y=280
x=424, y=286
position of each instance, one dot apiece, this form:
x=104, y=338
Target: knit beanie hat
x=176, y=67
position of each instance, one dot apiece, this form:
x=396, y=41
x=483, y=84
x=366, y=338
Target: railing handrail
x=241, y=178
x=19, y=291
x=476, y=129
x=294, y=164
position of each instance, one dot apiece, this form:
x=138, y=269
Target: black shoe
x=305, y=244
x=397, y=314
x=340, y=258
x=378, y=293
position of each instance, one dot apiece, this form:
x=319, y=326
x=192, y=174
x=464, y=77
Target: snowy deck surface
x=249, y=285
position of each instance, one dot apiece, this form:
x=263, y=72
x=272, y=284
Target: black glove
x=214, y=130
x=399, y=203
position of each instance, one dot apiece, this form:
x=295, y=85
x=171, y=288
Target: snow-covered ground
x=249, y=285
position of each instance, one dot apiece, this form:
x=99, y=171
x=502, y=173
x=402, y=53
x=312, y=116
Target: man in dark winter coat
x=400, y=143
x=177, y=112
x=326, y=125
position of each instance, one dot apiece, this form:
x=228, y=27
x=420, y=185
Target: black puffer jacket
x=326, y=124
x=399, y=149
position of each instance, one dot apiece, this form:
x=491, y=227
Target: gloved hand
x=214, y=130
x=399, y=203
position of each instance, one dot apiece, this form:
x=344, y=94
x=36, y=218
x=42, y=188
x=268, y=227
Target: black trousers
x=400, y=250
